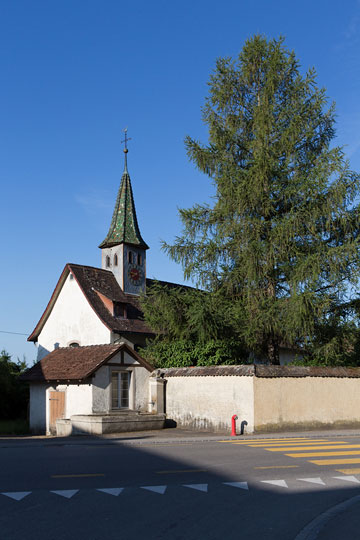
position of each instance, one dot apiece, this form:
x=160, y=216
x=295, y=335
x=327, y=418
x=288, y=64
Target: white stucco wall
x=118, y=270
x=127, y=358
x=101, y=390
x=141, y=389
x=71, y=319
x=78, y=399
x=209, y=402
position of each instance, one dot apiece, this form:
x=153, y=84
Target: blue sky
x=74, y=73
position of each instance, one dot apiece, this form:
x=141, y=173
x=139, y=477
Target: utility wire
x=15, y=333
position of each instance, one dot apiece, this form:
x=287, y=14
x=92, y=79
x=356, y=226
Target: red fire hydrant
x=233, y=425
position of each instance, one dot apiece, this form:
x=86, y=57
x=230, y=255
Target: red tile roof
x=77, y=363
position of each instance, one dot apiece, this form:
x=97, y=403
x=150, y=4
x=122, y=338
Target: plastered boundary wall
x=265, y=398
x=208, y=401
x=323, y=398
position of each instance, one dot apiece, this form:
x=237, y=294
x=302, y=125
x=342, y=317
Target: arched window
x=115, y=260
x=130, y=257
x=74, y=344
x=139, y=259
x=107, y=261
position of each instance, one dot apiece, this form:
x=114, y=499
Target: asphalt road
x=181, y=488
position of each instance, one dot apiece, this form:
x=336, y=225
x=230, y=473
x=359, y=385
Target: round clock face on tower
x=135, y=274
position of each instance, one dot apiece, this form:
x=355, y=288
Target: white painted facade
x=72, y=319
x=108, y=262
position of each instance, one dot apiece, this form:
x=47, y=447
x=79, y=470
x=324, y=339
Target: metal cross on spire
x=126, y=140
x=126, y=148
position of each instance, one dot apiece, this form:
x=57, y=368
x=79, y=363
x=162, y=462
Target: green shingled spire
x=124, y=227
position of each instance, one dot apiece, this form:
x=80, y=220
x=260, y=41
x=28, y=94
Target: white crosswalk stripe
x=67, y=493
x=198, y=487
x=205, y=488
x=16, y=495
x=313, y=480
x=111, y=491
x=348, y=479
x=155, y=489
x=280, y=483
x=241, y=485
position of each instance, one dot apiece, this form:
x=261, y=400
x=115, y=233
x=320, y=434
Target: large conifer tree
x=282, y=239
x=280, y=245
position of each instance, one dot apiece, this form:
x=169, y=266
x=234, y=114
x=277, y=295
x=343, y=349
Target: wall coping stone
x=206, y=371
x=258, y=370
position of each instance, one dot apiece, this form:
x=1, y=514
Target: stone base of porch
x=99, y=424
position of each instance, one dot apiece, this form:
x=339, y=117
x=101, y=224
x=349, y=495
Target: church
x=90, y=377
x=88, y=370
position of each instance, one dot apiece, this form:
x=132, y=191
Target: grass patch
x=14, y=427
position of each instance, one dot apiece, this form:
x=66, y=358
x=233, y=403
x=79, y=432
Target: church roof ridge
x=77, y=265
x=124, y=226
x=98, y=345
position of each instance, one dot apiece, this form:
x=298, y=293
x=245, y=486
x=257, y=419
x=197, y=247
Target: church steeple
x=124, y=250
x=124, y=227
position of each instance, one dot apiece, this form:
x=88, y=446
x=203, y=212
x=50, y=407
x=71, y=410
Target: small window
x=139, y=259
x=107, y=261
x=119, y=310
x=115, y=260
x=74, y=344
x=130, y=257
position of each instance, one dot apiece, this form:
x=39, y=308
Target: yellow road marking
x=335, y=461
x=325, y=447
x=297, y=443
x=181, y=471
x=75, y=475
x=325, y=454
x=253, y=441
x=167, y=444
x=279, y=467
x=349, y=471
